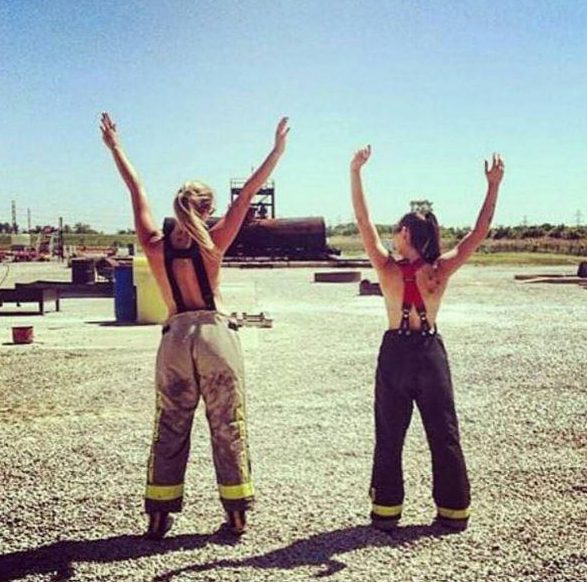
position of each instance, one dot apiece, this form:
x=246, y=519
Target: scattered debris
x=558, y=279
x=252, y=319
x=368, y=288
x=337, y=277
x=106, y=265
x=529, y=276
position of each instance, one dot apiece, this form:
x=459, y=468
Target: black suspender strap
x=202, y=276
x=169, y=254
x=193, y=252
x=413, y=297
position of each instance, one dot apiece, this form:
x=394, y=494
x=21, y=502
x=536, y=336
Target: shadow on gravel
x=59, y=558
x=114, y=323
x=319, y=550
x=18, y=313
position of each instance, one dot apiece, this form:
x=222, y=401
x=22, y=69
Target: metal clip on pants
x=199, y=355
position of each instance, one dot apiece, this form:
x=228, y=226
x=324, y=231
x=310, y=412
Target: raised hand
x=495, y=173
x=360, y=158
x=281, y=134
x=109, y=134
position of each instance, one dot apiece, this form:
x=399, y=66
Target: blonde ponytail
x=192, y=201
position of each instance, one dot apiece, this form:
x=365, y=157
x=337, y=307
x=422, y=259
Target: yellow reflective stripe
x=387, y=510
x=236, y=491
x=454, y=513
x=164, y=492
x=156, y=429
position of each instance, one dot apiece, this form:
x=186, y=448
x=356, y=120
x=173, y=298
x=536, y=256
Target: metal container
x=291, y=238
x=125, y=298
x=150, y=305
x=22, y=334
x=83, y=271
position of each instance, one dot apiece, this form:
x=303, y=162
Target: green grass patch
x=541, y=259
x=351, y=246
x=89, y=240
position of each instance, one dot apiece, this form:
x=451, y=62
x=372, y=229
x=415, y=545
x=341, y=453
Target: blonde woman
x=200, y=352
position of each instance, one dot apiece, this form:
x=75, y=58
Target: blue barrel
x=125, y=299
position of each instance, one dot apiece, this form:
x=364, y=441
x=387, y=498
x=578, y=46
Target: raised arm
x=226, y=229
x=377, y=253
x=144, y=223
x=456, y=257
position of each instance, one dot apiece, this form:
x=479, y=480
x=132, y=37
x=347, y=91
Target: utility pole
x=28, y=218
x=579, y=217
x=60, y=245
x=14, y=225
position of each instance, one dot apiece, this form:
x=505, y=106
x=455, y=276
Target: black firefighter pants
x=412, y=369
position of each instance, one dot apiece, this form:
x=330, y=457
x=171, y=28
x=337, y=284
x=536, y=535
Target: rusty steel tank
x=302, y=239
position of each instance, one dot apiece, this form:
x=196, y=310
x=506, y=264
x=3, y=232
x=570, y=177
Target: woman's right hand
x=280, y=135
x=360, y=158
x=495, y=173
x=109, y=134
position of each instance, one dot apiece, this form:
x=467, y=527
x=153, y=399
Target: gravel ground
x=76, y=412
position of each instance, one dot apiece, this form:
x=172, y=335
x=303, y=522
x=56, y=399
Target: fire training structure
x=265, y=236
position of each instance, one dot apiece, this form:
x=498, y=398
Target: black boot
x=451, y=524
x=384, y=523
x=236, y=521
x=160, y=523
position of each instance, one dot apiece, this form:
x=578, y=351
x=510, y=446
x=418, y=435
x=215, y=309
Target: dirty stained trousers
x=199, y=356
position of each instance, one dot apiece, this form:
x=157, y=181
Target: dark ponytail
x=424, y=234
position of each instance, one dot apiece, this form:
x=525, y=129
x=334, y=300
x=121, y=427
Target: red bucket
x=22, y=334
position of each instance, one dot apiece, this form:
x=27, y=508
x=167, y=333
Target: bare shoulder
x=444, y=267
x=387, y=269
x=153, y=246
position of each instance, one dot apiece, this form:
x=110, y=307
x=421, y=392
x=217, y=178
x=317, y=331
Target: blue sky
x=196, y=88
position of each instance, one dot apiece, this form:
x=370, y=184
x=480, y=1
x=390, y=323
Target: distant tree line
x=77, y=228
x=554, y=231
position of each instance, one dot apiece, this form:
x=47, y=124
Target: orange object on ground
x=22, y=334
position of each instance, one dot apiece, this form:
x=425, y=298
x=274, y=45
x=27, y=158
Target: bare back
x=183, y=270
x=431, y=281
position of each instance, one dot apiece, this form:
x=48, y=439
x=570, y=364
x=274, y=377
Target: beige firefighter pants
x=199, y=355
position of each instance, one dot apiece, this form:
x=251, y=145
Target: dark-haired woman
x=412, y=366
x=200, y=354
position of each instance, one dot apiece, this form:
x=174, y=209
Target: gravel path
x=76, y=412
